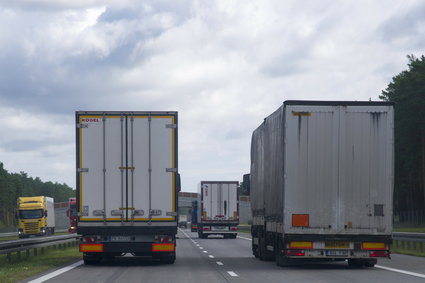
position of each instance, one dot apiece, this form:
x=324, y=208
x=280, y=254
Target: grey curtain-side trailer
x=322, y=182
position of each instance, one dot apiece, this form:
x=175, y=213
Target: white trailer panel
x=127, y=164
x=50, y=207
x=219, y=200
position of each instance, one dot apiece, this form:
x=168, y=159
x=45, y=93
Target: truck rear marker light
x=163, y=247
x=373, y=246
x=234, y=228
x=300, y=220
x=206, y=228
x=301, y=245
x=92, y=248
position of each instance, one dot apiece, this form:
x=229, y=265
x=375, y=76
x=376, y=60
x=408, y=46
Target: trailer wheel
x=355, y=263
x=170, y=259
x=90, y=259
x=370, y=262
x=233, y=236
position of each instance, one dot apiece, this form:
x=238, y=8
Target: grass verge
x=17, y=270
x=410, y=230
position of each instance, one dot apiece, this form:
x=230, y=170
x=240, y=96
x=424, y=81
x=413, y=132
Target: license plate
x=219, y=228
x=336, y=253
x=120, y=239
x=337, y=245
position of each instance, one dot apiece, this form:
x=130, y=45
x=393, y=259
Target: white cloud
x=224, y=65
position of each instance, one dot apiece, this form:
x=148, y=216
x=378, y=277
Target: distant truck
x=72, y=214
x=194, y=218
x=322, y=182
x=36, y=216
x=127, y=184
x=182, y=220
x=219, y=211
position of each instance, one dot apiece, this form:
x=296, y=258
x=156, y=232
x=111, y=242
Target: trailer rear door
x=127, y=166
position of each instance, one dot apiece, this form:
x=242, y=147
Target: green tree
x=14, y=185
x=407, y=90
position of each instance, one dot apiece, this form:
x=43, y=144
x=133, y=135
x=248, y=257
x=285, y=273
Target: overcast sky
x=223, y=65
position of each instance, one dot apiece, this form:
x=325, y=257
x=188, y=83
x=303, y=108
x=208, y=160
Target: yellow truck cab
x=35, y=216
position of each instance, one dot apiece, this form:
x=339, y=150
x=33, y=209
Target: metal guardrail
x=10, y=234
x=398, y=236
x=9, y=247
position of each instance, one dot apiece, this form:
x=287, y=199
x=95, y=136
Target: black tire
x=90, y=259
x=355, y=263
x=370, y=262
x=168, y=259
x=233, y=236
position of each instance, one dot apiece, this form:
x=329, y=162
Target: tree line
x=14, y=185
x=407, y=91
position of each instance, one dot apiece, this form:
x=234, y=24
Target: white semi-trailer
x=322, y=182
x=219, y=209
x=127, y=184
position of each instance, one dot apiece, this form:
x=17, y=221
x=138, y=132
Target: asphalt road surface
x=230, y=260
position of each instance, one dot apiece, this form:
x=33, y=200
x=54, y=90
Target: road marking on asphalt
x=56, y=273
x=219, y=263
x=201, y=248
x=245, y=238
x=401, y=271
x=205, y=252
x=232, y=274
x=211, y=256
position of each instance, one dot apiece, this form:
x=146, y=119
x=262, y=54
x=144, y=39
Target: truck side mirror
x=67, y=213
x=45, y=213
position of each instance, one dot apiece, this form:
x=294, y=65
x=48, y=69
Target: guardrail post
x=28, y=253
x=8, y=256
x=42, y=250
x=19, y=255
x=35, y=251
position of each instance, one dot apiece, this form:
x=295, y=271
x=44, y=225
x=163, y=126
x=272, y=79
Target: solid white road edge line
x=232, y=274
x=401, y=271
x=56, y=273
x=245, y=238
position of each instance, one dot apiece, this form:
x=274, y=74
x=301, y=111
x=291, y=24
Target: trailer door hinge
x=171, y=126
x=79, y=126
x=83, y=170
x=171, y=170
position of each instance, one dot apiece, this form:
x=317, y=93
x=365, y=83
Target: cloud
x=224, y=65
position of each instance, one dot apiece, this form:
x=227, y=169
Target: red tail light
x=89, y=240
x=164, y=238
x=206, y=228
x=295, y=253
x=378, y=254
x=233, y=228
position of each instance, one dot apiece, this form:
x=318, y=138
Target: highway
x=230, y=260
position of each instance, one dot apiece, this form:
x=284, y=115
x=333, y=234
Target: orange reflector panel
x=373, y=246
x=163, y=247
x=300, y=220
x=301, y=245
x=91, y=248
